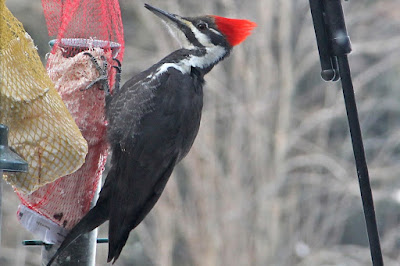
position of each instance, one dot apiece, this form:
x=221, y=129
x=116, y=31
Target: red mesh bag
x=79, y=26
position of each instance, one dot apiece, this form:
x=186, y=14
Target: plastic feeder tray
x=72, y=46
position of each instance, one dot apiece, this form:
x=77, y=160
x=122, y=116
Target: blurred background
x=271, y=178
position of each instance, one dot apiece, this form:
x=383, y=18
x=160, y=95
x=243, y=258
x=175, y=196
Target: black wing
x=158, y=115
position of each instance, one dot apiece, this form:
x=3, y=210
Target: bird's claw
x=118, y=70
x=103, y=77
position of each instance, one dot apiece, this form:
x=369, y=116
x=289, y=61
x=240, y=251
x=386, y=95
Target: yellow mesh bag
x=41, y=129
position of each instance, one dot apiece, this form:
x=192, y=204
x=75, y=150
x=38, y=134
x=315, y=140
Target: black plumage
x=153, y=121
x=162, y=129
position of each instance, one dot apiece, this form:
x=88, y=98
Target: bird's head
x=213, y=34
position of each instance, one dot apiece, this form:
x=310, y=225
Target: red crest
x=235, y=30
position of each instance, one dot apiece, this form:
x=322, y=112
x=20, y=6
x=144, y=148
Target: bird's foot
x=118, y=70
x=103, y=77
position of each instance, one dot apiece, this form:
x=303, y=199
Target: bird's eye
x=202, y=26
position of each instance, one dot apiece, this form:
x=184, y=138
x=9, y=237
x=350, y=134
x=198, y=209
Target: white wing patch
x=178, y=66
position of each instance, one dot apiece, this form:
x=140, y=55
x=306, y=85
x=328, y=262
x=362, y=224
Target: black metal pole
x=333, y=46
x=361, y=164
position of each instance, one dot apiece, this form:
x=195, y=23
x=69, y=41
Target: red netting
x=79, y=26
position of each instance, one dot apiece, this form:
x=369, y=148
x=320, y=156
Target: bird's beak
x=176, y=24
x=170, y=19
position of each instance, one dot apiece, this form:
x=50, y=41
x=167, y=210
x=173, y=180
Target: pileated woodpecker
x=153, y=121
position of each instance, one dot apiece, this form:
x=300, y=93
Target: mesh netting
x=41, y=129
x=93, y=26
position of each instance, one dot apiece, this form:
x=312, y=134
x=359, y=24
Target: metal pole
x=361, y=164
x=333, y=47
x=81, y=252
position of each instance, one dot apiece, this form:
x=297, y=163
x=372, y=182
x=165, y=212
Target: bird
x=153, y=120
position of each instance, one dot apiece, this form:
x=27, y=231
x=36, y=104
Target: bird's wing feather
x=132, y=199
x=127, y=107
x=147, y=156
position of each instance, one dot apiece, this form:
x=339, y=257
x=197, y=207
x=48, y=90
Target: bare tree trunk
x=286, y=87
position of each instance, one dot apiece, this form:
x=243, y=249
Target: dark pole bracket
x=47, y=245
x=333, y=46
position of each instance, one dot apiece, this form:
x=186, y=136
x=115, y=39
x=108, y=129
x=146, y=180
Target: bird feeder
x=41, y=129
x=78, y=27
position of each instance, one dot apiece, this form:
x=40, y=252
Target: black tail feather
x=119, y=228
x=115, y=250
